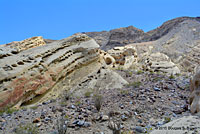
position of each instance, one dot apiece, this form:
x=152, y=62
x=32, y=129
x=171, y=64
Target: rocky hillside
x=110, y=82
x=184, y=29
x=178, y=38
x=117, y=37
x=32, y=72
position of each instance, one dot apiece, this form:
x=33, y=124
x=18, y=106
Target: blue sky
x=57, y=19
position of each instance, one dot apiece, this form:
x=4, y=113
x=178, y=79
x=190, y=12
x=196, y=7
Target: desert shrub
x=140, y=72
x=98, y=100
x=124, y=92
x=171, y=76
x=34, y=107
x=78, y=103
x=8, y=110
x=61, y=126
x=156, y=79
x=88, y=94
x=135, y=84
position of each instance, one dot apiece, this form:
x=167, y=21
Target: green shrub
x=34, y=107
x=124, y=92
x=171, y=76
x=135, y=84
x=140, y=72
x=88, y=94
x=156, y=79
x=98, y=100
x=77, y=103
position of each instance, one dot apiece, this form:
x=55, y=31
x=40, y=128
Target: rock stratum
x=36, y=70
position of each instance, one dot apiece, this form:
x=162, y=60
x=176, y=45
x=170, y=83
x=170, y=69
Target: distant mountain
x=117, y=37
x=128, y=35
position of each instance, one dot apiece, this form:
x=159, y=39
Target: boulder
x=183, y=125
x=194, y=99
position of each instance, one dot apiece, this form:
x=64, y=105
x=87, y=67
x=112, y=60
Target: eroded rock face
x=27, y=43
x=120, y=57
x=18, y=46
x=101, y=79
x=195, y=92
x=46, y=70
x=191, y=59
x=160, y=62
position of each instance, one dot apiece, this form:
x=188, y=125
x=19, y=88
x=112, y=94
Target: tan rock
x=119, y=57
x=160, y=62
x=195, y=92
x=186, y=124
x=46, y=70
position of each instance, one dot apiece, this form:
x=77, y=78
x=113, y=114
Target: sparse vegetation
x=66, y=95
x=135, y=84
x=130, y=73
x=171, y=76
x=61, y=126
x=124, y=92
x=98, y=100
x=8, y=111
x=88, y=94
x=66, y=116
x=151, y=72
x=78, y=102
x=127, y=132
x=27, y=129
x=63, y=103
x=115, y=127
x=148, y=130
x=156, y=79
x=120, y=68
x=11, y=110
x=140, y=72
x=34, y=107
x=167, y=119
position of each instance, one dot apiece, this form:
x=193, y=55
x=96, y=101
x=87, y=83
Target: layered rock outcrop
x=194, y=99
x=190, y=60
x=160, y=62
x=46, y=70
x=18, y=46
x=120, y=57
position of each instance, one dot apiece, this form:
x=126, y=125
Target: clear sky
x=57, y=19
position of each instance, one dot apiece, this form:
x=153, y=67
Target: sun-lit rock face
x=27, y=43
x=120, y=57
x=195, y=92
x=18, y=46
x=160, y=62
x=47, y=69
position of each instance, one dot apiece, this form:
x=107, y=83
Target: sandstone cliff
x=36, y=71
